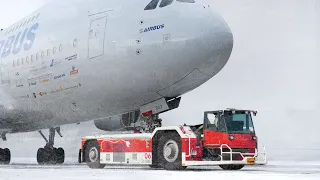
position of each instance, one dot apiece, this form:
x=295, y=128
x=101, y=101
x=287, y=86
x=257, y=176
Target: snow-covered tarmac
x=25, y=169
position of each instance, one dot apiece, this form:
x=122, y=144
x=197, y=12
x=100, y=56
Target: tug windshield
x=239, y=122
x=236, y=122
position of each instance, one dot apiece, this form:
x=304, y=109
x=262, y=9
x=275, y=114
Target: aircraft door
x=96, y=37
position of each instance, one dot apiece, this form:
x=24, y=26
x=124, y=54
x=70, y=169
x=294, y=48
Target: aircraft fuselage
x=75, y=61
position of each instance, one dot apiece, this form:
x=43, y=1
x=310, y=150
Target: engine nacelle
x=119, y=122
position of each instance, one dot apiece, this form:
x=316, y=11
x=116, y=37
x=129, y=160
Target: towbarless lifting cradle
x=226, y=138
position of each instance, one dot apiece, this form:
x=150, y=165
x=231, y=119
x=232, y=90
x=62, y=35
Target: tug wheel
x=92, y=155
x=169, y=152
x=154, y=166
x=231, y=167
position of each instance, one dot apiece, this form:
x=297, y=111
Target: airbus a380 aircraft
x=83, y=60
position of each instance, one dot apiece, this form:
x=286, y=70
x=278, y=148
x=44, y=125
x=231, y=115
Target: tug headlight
x=254, y=137
x=231, y=138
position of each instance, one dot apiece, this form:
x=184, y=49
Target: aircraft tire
x=40, y=154
x=7, y=156
x=60, y=155
x=52, y=156
x=1, y=155
x=45, y=156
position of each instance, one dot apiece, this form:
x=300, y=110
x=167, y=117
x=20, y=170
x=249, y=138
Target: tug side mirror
x=255, y=113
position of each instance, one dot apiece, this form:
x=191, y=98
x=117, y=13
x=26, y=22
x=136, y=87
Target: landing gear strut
x=153, y=122
x=49, y=154
x=147, y=124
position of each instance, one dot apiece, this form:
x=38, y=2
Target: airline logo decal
x=65, y=88
x=57, y=90
x=15, y=43
x=152, y=28
x=25, y=97
x=74, y=71
x=42, y=93
x=59, y=76
x=19, y=84
x=54, y=62
x=70, y=58
x=32, y=83
x=35, y=69
x=45, y=79
x=41, y=79
x=61, y=88
x=73, y=87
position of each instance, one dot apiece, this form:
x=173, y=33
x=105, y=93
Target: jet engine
x=119, y=122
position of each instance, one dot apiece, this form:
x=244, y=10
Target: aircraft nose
x=216, y=42
x=207, y=43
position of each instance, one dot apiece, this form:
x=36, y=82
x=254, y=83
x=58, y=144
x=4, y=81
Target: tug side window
x=215, y=123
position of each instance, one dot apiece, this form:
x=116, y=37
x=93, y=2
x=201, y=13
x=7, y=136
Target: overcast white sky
x=273, y=69
x=14, y=10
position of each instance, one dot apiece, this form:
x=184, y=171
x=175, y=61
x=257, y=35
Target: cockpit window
x=165, y=3
x=152, y=5
x=186, y=1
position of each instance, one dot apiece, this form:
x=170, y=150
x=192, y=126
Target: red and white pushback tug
x=226, y=138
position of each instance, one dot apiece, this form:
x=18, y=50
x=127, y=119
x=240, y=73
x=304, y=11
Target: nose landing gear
x=154, y=122
x=147, y=124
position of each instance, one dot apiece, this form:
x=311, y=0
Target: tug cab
x=232, y=127
x=227, y=130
